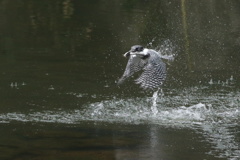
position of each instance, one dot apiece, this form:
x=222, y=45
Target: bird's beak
x=127, y=54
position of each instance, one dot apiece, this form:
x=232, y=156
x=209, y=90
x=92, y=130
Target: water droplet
x=210, y=82
x=51, y=88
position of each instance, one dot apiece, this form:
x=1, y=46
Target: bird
x=149, y=63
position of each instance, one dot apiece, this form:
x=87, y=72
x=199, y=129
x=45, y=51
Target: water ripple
x=212, y=115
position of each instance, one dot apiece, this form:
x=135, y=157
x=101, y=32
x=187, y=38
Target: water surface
x=60, y=61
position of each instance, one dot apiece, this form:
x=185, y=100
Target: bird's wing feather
x=135, y=64
x=153, y=75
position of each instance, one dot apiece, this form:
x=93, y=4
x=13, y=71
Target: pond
x=60, y=61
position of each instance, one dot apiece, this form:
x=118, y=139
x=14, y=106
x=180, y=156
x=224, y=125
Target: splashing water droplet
x=210, y=82
x=154, y=105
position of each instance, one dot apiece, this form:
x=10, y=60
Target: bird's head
x=137, y=50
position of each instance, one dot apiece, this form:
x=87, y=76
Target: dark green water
x=60, y=60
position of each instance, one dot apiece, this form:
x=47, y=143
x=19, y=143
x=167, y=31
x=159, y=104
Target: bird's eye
x=136, y=48
x=139, y=49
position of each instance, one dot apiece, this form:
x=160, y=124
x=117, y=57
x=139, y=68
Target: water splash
x=169, y=110
x=154, y=105
x=167, y=48
x=228, y=82
x=212, y=114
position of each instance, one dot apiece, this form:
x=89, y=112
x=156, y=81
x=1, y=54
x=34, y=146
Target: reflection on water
x=59, y=61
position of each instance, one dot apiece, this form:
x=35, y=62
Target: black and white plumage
x=149, y=62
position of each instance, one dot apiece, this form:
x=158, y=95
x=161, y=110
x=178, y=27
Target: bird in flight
x=149, y=63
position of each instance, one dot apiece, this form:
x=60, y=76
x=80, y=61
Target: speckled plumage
x=149, y=63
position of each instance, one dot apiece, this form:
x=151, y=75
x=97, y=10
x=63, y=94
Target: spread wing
x=153, y=75
x=135, y=64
